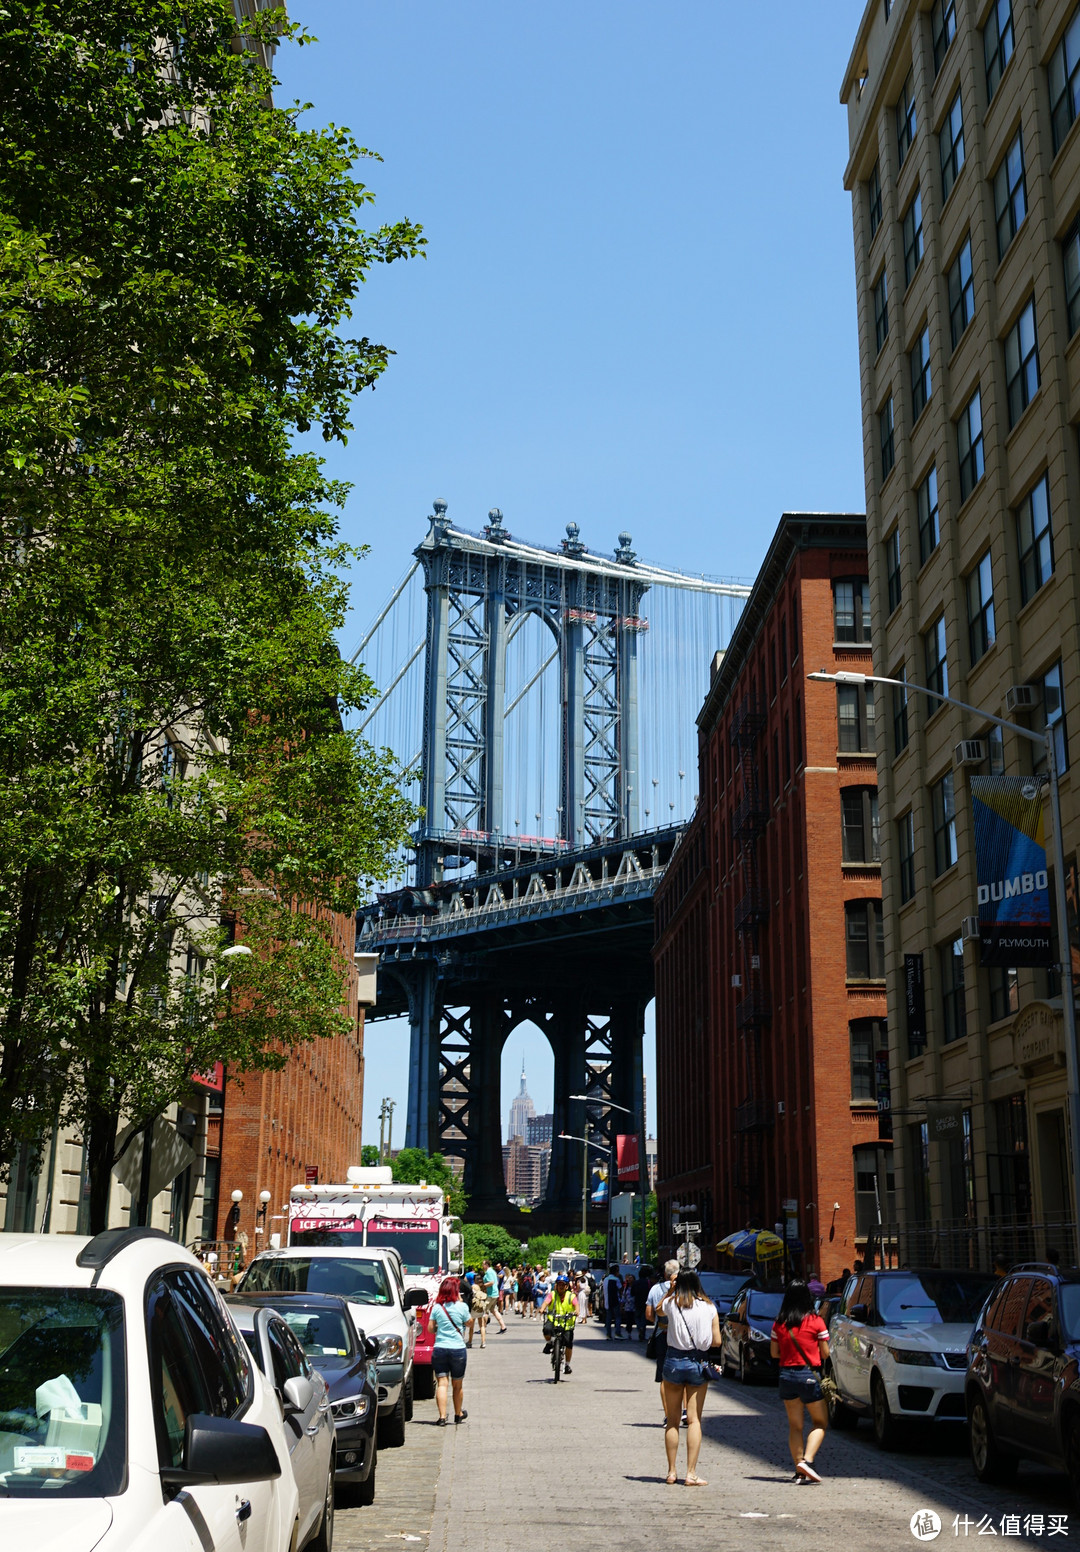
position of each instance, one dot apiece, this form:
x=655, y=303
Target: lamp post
x=264, y=1203
x=234, y=1212
x=586, y=1143
x=1068, y=1004
x=598, y=1099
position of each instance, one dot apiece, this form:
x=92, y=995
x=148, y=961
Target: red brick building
x=770, y=995
x=274, y=1126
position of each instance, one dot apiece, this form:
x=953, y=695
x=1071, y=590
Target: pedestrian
x=693, y=1329
x=836, y=1287
x=1001, y=1266
x=655, y=1315
x=626, y=1301
x=525, y=1292
x=491, y=1290
x=642, y=1283
x=815, y=1285
x=612, y=1290
x=561, y=1301
x=800, y=1340
x=446, y=1323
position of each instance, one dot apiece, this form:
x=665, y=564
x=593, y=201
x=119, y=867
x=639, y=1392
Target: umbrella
x=752, y=1245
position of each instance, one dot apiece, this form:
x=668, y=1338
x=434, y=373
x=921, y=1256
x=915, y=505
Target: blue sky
x=637, y=308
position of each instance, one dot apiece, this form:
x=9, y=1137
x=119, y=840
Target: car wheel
x=365, y=1495
x=989, y=1463
x=886, y=1428
x=841, y=1416
x=423, y=1382
x=323, y=1539
x=409, y=1396
x=392, y=1428
x=744, y=1372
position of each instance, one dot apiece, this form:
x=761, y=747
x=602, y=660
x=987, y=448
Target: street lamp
x=264, y=1203
x=1068, y=1005
x=234, y=1214
x=643, y=1179
x=587, y=1143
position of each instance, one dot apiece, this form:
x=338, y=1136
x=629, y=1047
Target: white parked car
x=898, y=1348
x=132, y=1417
x=373, y=1283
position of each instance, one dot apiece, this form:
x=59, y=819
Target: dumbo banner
x=1010, y=861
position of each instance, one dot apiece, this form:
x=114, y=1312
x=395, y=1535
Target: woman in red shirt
x=801, y=1341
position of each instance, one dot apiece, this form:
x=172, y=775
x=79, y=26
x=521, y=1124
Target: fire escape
x=754, y=1113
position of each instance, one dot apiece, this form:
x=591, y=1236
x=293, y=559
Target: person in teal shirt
x=446, y=1323
x=491, y=1288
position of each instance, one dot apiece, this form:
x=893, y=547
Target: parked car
x=746, y=1334
x=132, y=1418
x=1023, y=1375
x=344, y=1357
x=722, y=1288
x=373, y=1283
x=898, y=1348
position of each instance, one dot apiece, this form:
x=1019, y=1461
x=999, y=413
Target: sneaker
x=548, y=1346
x=567, y=1369
x=807, y=1471
x=683, y=1420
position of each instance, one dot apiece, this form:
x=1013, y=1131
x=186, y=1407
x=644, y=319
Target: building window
x=951, y=146
x=868, y=1037
x=944, y=807
x=1004, y=995
x=885, y=430
x=1010, y=194
x=1065, y=81
x=937, y=667
x=899, y=712
x=995, y=750
x=865, y=940
x=953, y=1003
x=905, y=120
x=920, y=374
x=851, y=610
x=892, y=569
x=1053, y=699
x=961, y=293
x=913, y=237
x=881, y=309
x=855, y=718
x=1070, y=250
x=926, y=501
x=997, y=43
x=919, y=1171
x=1022, y=362
x=1009, y=1169
x=905, y=845
x=943, y=25
x=969, y=445
x=980, y=601
x=783, y=651
x=873, y=195
x=861, y=840
x=1035, y=539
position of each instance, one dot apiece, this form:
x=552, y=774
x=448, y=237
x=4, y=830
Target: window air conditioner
x=736, y=980
x=1020, y=697
x=969, y=751
x=755, y=962
x=969, y=929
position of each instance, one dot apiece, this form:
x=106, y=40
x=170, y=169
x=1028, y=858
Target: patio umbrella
x=752, y=1245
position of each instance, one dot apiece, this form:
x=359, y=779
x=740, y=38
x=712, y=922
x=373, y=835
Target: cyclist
x=561, y=1302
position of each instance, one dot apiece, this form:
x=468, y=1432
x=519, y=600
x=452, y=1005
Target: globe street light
x=587, y=1143
x=1061, y=907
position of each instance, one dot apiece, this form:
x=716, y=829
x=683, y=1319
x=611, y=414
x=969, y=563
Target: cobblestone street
x=535, y=1464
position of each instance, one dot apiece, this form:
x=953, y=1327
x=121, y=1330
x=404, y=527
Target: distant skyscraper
x=521, y=1109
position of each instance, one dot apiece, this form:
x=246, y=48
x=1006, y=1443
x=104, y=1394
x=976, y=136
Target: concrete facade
x=997, y=224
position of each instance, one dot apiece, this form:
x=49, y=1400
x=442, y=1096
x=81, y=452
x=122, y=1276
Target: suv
x=131, y=1414
x=898, y=1348
x=1023, y=1375
x=373, y=1283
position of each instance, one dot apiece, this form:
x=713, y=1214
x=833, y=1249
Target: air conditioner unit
x=1020, y=697
x=736, y=980
x=780, y=1107
x=969, y=929
x=755, y=961
x=969, y=751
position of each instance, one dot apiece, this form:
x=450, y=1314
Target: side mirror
x=415, y=1298
x=297, y=1395
x=220, y=1449
x=858, y=1312
x=371, y=1346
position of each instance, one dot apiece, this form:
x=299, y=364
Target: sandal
x=696, y=1482
x=671, y=1478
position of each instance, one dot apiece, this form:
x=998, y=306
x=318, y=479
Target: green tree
x=652, y=1230
x=543, y=1245
x=490, y=1241
x=411, y=1165
x=369, y=1155
x=178, y=262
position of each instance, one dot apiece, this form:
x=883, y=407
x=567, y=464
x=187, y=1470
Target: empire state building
x=521, y=1110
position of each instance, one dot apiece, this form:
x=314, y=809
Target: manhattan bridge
x=546, y=701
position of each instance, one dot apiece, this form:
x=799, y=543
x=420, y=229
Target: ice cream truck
x=369, y=1209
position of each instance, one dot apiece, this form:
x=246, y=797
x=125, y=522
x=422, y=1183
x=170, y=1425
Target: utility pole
x=389, y=1103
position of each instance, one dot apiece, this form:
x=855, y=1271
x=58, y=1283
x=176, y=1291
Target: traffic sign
x=688, y=1228
x=688, y=1255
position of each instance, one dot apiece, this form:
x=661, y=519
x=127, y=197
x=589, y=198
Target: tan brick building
x=964, y=172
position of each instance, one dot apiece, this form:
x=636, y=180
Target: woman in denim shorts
x=446, y=1323
x=800, y=1341
x=693, y=1327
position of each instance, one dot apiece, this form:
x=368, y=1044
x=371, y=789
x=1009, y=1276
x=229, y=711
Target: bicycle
x=560, y=1324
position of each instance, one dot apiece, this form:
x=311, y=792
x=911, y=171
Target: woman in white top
x=693, y=1327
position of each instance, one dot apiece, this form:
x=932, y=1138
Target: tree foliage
x=543, y=1245
x=411, y=1165
x=178, y=263
x=488, y=1241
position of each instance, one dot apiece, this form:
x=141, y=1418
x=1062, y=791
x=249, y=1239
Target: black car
x=324, y=1328
x=723, y=1288
x=1023, y=1378
x=746, y=1334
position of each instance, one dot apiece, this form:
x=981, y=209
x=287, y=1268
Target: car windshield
x=419, y=1251
x=722, y=1287
x=763, y=1307
x=322, y=1333
x=932, y=1298
x=62, y=1393
x=361, y=1282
